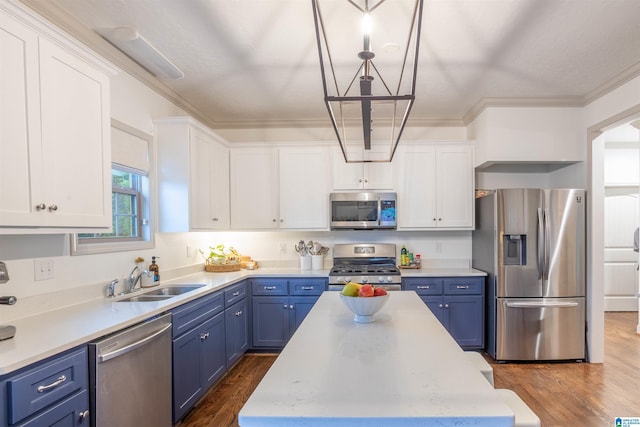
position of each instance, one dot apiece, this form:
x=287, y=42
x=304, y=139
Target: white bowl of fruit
x=363, y=300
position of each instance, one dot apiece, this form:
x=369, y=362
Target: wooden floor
x=562, y=394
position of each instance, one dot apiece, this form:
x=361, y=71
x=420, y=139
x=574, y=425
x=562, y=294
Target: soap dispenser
x=154, y=269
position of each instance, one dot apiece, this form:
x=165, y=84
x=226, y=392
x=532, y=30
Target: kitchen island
x=404, y=369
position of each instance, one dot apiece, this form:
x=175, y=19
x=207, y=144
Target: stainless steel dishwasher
x=130, y=377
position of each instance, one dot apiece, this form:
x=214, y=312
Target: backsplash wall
x=84, y=277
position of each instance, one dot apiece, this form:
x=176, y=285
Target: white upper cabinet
x=193, y=177
x=254, y=188
x=436, y=186
x=280, y=187
x=54, y=134
x=358, y=176
x=304, y=187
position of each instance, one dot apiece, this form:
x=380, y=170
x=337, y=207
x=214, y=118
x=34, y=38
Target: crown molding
x=618, y=80
x=484, y=103
x=94, y=41
x=67, y=23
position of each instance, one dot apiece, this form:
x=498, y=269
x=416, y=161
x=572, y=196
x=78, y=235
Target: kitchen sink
x=162, y=293
x=173, y=290
x=146, y=298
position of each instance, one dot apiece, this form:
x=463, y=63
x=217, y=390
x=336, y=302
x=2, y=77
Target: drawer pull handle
x=235, y=294
x=424, y=286
x=269, y=288
x=60, y=380
x=238, y=313
x=462, y=286
x=204, y=336
x=307, y=288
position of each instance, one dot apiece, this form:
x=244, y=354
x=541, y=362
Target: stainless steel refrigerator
x=531, y=243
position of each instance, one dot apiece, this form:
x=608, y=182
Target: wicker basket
x=221, y=268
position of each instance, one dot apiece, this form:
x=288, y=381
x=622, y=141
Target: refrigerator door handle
x=540, y=248
x=541, y=304
x=547, y=243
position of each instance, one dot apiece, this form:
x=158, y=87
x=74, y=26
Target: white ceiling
x=251, y=63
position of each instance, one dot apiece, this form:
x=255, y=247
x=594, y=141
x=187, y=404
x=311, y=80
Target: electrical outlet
x=43, y=268
x=282, y=248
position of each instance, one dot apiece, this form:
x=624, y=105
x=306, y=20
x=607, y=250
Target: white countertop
x=404, y=369
x=43, y=335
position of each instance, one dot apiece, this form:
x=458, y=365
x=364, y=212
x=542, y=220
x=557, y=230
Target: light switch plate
x=4, y=274
x=43, y=268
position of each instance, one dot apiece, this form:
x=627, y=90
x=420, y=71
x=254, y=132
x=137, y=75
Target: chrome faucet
x=133, y=279
x=111, y=288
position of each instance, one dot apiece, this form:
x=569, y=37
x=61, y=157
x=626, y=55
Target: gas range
x=373, y=263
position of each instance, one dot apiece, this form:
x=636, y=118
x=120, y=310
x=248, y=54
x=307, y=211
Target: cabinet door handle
x=53, y=208
x=83, y=415
x=204, y=336
x=423, y=287
x=446, y=306
x=41, y=207
x=286, y=306
x=269, y=288
x=281, y=220
x=462, y=286
x=215, y=219
x=56, y=383
x=238, y=313
x=274, y=220
x=440, y=305
x=291, y=307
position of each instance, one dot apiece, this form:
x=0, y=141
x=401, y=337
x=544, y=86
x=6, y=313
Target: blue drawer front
x=269, y=287
x=423, y=286
x=46, y=384
x=464, y=286
x=191, y=314
x=307, y=286
x=235, y=293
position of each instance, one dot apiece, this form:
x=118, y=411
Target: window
x=130, y=186
x=126, y=201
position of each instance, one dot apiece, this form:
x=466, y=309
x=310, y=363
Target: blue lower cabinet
x=300, y=307
x=237, y=331
x=53, y=392
x=199, y=360
x=279, y=306
x=457, y=302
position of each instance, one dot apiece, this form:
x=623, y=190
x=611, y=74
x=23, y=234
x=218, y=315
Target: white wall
x=610, y=110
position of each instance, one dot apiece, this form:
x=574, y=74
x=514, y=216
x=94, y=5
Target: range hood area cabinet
x=55, y=101
x=280, y=188
x=362, y=176
x=193, y=172
x=436, y=186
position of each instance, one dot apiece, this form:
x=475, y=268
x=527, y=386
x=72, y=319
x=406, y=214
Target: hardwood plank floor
x=562, y=394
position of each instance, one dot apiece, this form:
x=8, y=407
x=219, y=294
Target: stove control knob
x=364, y=279
x=347, y=279
x=389, y=279
x=380, y=279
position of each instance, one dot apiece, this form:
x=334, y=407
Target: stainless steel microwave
x=363, y=211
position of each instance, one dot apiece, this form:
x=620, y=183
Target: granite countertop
x=47, y=334
x=404, y=369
